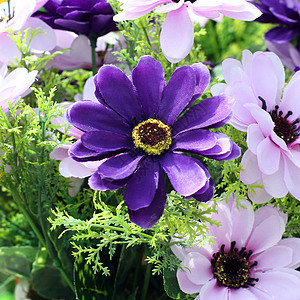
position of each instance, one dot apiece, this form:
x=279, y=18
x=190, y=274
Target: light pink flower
x=80, y=55
x=177, y=35
x=14, y=85
x=270, y=119
x=16, y=15
x=249, y=260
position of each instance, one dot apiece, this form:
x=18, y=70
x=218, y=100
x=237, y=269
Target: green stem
x=109, y=227
x=146, y=282
x=93, y=42
x=213, y=39
x=146, y=34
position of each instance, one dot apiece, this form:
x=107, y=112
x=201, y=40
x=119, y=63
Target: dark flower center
x=288, y=131
x=152, y=135
x=232, y=269
x=7, y=13
x=192, y=1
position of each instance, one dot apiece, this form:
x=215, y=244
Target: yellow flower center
x=153, y=136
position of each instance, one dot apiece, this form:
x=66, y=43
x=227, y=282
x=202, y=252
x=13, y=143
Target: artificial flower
x=136, y=127
x=177, y=35
x=271, y=120
x=249, y=259
x=92, y=18
x=14, y=85
x=80, y=54
x=287, y=52
x=15, y=15
x=285, y=13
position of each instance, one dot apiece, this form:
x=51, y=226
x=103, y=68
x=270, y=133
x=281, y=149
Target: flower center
x=288, y=131
x=6, y=13
x=192, y=1
x=283, y=128
x=152, y=135
x=232, y=269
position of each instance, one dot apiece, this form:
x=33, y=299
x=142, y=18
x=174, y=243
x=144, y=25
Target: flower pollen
x=152, y=135
x=232, y=269
x=283, y=128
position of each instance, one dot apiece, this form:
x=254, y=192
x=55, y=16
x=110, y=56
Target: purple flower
x=248, y=260
x=282, y=12
x=138, y=126
x=93, y=18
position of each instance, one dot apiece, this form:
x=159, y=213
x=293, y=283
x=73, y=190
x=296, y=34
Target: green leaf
x=86, y=282
x=17, y=260
x=49, y=283
x=171, y=285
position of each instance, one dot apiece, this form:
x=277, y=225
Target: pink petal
x=250, y=173
x=211, y=291
x=177, y=35
x=292, y=178
x=260, y=294
x=275, y=184
x=262, y=118
x=264, y=79
x=44, y=41
x=294, y=244
x=261, y=196
x=266, y=234
x=295, y=151
x=71, y=168
x=254, y=137
x=199, y=268
x=275, y=257
x=289, y=99
x=268, y=157
x=9, y=50
x=240, y=294
x=242, y=222
x=185, y=284
x=267, y=211
x=281, y=285
x=232, y=70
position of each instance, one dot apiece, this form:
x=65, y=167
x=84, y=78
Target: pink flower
x=80, y=55
x=177, y=35
x=68, y=167
x=248, y=260
x=16, y=15
x=270, y=119
x=14, y=85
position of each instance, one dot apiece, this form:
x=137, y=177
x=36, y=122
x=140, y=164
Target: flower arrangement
x=149, y=150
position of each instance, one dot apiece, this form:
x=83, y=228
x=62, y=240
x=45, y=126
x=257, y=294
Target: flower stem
x=93, y=42
x=146, y=282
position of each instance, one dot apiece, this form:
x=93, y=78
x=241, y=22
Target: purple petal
x=102, y=24
x=118, y=92
x=177, y=94
x=185, y=173
x=148, y=216
x=73, y=25
x=90, y=116
x=202, y=80
x=225, y=149
x=204, y=114
x=281, y=34
x=194, y=141
x=207, y=194
x=120, y=166
x=141, y=188
x=148, y=78
x=80, y=153
x=97, y=183
x=105, y=141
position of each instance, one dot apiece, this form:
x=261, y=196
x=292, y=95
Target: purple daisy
x=286, y=13
x=89, y=17
x=137, y=125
